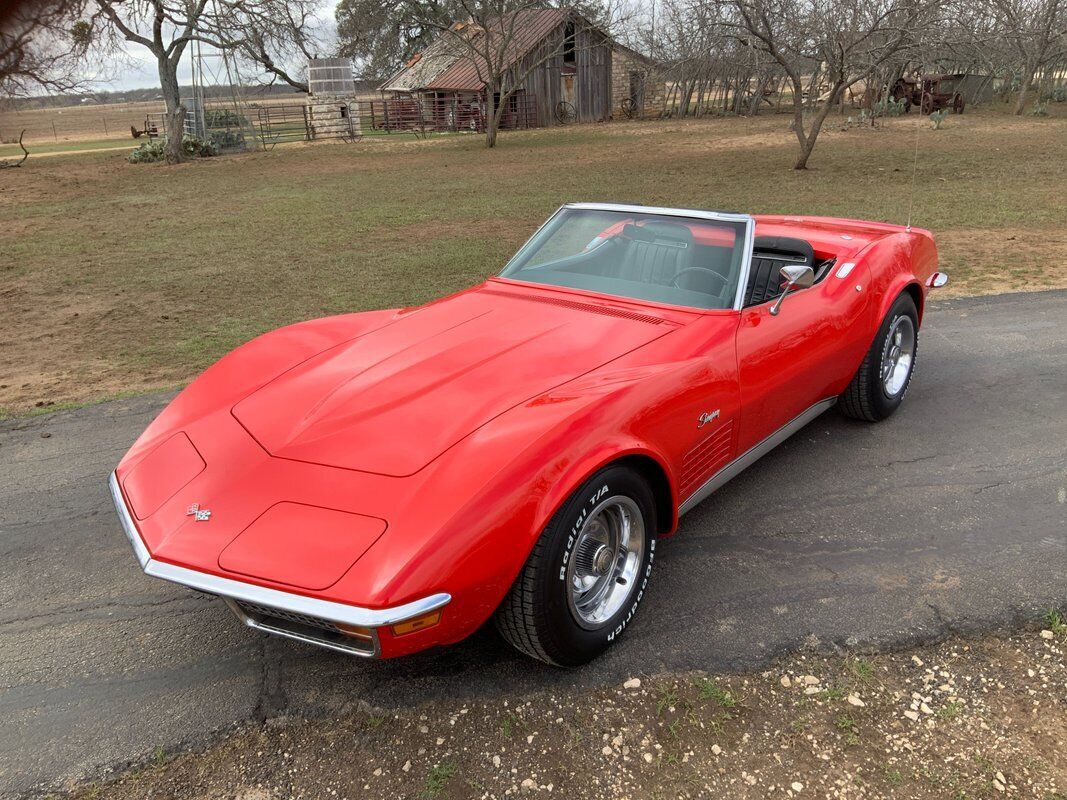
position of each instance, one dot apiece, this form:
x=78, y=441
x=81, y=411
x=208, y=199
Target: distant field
x=93, y=122
x=74, y=123
x=119, y=278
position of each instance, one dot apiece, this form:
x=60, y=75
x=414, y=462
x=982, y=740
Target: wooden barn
x=560, y=64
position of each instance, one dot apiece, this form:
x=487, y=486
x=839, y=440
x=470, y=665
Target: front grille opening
x=303, y=627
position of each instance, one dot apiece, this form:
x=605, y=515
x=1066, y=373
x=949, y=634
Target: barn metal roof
x=438, y=56
x=449, y=64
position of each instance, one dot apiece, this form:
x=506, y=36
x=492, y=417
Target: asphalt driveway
x=951, y=516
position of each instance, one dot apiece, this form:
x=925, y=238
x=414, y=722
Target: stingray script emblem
x=705, y=418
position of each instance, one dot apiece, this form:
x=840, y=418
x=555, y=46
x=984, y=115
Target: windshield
x=684, y=261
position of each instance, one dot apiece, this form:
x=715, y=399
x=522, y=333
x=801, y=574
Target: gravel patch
x=962, y=719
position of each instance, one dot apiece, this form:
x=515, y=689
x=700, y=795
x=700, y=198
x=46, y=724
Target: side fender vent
x=575, y=304
x=702, y=461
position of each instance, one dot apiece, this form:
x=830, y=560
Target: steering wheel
x=721, y=280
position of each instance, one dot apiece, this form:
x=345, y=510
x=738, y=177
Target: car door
x=789, y=362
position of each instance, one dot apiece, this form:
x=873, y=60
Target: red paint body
x=428, y=447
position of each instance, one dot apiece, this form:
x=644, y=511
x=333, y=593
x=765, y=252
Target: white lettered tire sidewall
x=537, y=617
x=610, y=482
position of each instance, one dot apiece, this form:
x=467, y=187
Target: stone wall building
x=637, y=88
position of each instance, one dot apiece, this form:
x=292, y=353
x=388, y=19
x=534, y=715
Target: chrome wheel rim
x=898, y=356
x=604, y=562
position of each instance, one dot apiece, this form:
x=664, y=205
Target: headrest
x=785, y=246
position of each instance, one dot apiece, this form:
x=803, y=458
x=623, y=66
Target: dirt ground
x=118, y=278
x=981, y=718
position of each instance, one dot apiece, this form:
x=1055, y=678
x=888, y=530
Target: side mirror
x=796, y=277
x=937, y=280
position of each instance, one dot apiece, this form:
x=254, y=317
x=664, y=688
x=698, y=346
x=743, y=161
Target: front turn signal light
x=356, y=632
x=417, y=623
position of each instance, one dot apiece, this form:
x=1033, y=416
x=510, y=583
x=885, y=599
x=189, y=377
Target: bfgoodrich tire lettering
x=867, y=396
x=540, y=615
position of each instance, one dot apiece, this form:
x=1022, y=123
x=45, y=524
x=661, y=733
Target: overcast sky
x=138, y=70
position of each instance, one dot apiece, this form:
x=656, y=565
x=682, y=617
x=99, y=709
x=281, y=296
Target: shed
x=559, y=64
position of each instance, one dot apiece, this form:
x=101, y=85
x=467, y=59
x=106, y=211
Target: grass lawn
x=13, y=151
x=118, y=278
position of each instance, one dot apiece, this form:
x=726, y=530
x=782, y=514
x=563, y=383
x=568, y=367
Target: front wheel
x=879, y=386
x=587, y=574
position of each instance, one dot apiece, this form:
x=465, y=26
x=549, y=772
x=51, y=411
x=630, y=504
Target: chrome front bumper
x=293, y=616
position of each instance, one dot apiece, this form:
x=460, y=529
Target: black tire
x=866, y=397
x=537, y=617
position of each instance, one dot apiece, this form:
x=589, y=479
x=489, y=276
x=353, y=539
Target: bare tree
x=40, y=48
x=491, y=39
x=163, y=27
x=263, y=31
x=694, y=51
x=270, y=34
x=1036, y=30
x=835, y=44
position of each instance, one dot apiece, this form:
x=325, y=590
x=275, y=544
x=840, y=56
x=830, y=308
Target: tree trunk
x=813, y=91
x=807, y=140
x=1024, y=91
x=798, y=126
x=175, y=122
x=757, y=97
x=490, y=116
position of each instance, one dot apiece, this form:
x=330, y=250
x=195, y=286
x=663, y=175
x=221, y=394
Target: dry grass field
x=93, y=126
x=88, y=122
x=118, y=278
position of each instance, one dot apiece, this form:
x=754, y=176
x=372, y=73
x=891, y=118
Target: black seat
x=656, y=252
x=769, y=255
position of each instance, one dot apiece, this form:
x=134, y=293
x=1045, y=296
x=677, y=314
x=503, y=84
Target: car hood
x=392, y=400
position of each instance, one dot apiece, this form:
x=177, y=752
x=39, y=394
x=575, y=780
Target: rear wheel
x=587, y=574
x=879, y=385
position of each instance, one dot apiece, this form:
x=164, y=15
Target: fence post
x=105, y=125
x=54, y=134
x=307, y=124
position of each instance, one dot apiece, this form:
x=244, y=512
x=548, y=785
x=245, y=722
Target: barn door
x=567, y=89
x=567, y=109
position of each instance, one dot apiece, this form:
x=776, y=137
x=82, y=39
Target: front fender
x=606, y=453
x=902, y=262
x=481, y=507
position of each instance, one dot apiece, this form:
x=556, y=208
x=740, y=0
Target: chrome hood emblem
x=198, y=513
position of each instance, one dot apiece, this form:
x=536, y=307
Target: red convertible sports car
x=384, y=482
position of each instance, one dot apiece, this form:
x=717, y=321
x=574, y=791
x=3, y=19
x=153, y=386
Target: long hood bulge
x=391, y=401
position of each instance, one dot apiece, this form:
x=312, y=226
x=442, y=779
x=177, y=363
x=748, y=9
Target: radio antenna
x=918, y=125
